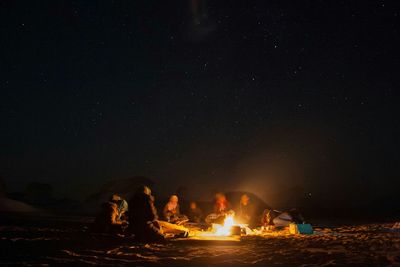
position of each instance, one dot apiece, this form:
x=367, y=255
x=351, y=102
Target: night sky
x=213, y=95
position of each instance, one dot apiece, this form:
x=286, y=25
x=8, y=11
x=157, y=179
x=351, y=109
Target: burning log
x=228, y=229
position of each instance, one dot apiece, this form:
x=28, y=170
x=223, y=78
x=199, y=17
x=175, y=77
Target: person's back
x=141, y=210
x=143, y=216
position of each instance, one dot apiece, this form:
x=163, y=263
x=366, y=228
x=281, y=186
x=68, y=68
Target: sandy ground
x=362, y=245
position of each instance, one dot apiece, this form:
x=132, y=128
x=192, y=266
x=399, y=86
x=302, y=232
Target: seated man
x=221, y=210
x=109, y=220
x=143, y=217
x=172, y=213
x=195, y=214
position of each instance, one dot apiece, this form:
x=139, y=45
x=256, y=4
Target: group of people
x=143, y=222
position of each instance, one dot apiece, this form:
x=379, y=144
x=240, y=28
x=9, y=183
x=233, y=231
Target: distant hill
x=11, y=205
x=3, y=188
x=123, y=187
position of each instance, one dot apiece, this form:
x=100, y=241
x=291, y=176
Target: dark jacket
x=195, y=215
x=143, y=218
x=142, y=210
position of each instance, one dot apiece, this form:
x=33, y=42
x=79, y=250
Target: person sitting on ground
x=221, y=205
x=221, y=210
x=195, y=214
x=171, y=211
x=245, y=212
x=143, y=217
x=110, y=219
x=277, y=218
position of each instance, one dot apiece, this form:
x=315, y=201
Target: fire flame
x=222, y=231
x=225, y=230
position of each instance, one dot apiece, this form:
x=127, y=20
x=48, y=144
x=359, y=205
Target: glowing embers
x=228, y=229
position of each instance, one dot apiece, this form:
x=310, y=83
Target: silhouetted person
x=143, y=217
x=183, y=194
x=195, y=214
x=110, y=220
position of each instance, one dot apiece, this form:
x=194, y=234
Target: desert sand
x=71, y=244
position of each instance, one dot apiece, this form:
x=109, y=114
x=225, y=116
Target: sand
x=352, y=245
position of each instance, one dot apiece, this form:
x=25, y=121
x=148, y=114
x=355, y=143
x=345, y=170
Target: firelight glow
x=225, y=230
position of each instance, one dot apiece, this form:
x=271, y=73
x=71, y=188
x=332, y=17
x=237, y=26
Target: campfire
x=229, y=228
x=226, y=228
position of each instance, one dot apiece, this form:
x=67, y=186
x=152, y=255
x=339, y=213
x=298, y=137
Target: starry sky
x=255, y=95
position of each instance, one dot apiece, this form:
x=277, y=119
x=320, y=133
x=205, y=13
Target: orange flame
x=225, y=230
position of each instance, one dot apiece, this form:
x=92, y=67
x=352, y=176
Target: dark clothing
x=245, y=214
x=195, y=215
x=143, y=218
x=108, y=220
x=296, y=215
